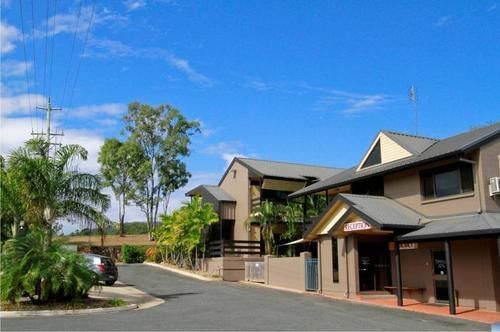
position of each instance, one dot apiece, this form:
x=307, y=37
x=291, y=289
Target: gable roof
x=448, y=147
x=216, y=192
x=456, y=226
x=284, y=170
x=380, y=211
x=411, y=143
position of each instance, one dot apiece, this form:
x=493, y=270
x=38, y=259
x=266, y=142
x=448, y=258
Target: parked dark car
x=104, y=267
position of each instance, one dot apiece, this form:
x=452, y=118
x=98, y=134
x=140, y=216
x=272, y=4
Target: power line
x=81, y=55
x=71, y=52
x=52, y=46
x=33, y=43
x=46, y=47
x=26, y=63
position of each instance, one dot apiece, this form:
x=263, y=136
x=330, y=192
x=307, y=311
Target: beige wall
x=475, y=267
x=286, y=272
x=348, y=266
x=227, y=210
x=238, y=188
x=404, y=187
x=213, y=266
x=234, y=267
x=489, y=166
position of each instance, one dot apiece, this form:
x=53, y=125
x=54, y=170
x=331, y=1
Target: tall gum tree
x=164, y=136
x=119, y=161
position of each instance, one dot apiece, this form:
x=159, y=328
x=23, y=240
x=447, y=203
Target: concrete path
x=198, y=305
x=128, y=293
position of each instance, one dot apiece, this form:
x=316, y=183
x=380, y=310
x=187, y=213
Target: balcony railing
x=234, y=248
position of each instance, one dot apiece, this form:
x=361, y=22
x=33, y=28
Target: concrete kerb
x=50, y=313
x=181, y=272
x=137, y=300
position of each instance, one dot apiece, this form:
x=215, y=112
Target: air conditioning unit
x=494, y=186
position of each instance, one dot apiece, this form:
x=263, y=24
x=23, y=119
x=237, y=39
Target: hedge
x=133, y=254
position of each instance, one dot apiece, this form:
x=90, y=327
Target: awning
x=294, y=242
x=478, y=224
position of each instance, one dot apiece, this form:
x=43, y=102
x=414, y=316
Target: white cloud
x=494, y=6
x=91, y=111
x=18, y=104
x=71, y=22
x=9, y=35
x=442, y=21
x=134, y=4
x=14, y=68
x=347, y=103
x=206, y=131
x=104, y=48
x=184, y=66
x=5, y=3
x=225, y=151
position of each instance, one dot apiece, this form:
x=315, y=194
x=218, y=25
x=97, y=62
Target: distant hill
x=131, y=228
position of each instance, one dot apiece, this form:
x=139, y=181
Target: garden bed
x=90, y=303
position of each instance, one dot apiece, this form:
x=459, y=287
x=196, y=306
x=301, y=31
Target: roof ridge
x=288, y=162
x=410, y=135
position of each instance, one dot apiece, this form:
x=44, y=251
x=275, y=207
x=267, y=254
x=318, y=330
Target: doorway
x=374, y=265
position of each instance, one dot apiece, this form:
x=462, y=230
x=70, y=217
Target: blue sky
x=301, y=81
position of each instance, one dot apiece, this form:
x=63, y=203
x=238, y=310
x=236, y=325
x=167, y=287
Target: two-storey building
x=245, y=184
x=418, y=216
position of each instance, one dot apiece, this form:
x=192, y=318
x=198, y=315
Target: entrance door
x=374, y=266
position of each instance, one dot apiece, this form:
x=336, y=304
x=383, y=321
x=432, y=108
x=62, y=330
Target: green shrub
x=114, y=302
x=42, y=273
x=133, y=254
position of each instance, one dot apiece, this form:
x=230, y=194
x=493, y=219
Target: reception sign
x=356, y=226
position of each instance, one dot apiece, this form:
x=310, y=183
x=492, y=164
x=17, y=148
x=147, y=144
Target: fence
x=255, y=271
x=234, y=248
x=311, y=271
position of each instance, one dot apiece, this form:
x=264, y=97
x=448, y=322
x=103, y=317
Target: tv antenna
x=412, y=94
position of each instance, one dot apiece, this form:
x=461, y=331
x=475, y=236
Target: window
x=335, y=260
x=375, y=156
x=439, y=262
x=446, y=181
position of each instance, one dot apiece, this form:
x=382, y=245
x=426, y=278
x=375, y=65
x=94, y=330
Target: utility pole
x=48, y=133
x=412, y=94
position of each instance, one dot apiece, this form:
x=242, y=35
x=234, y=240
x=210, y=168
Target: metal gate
x=311, y=270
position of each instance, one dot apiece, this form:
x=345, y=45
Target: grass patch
x=114, y=302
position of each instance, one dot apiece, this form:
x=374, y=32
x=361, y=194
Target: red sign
x=356, y=226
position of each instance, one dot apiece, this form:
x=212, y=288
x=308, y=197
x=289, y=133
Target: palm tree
x=267, y=215
x=53, y=188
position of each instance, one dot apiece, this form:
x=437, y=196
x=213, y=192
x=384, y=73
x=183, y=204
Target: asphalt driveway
x=197, y=305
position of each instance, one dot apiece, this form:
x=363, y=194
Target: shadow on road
x=172, y=296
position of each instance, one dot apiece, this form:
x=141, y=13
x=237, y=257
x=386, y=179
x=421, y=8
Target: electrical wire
x=26, y=63
x=46, y=48
x=82, y=53
x=52, y=47
x=34, y=46
x=63, y=97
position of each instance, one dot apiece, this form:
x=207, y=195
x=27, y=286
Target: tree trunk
x=121, y=215
x=15, y=229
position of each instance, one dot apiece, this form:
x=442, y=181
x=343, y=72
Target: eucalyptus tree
x=54, y=188
x=119, y=162
x=164, y=135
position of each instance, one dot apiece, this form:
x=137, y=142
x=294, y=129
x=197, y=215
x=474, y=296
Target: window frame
x=335, y=261
x=434, y=263
x=433, y=172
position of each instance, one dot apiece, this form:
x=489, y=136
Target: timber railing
x=234, y=248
